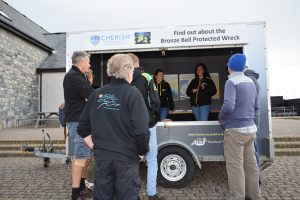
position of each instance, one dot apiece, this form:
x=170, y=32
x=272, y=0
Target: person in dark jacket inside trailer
x=165, y=94
x=114, y=123
x=200, y=91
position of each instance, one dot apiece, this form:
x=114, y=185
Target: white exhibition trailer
x=184, y=142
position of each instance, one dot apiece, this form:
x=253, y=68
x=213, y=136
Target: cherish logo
x=95, y=39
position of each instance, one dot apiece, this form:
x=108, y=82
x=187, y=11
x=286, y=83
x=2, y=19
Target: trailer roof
x=190, y=25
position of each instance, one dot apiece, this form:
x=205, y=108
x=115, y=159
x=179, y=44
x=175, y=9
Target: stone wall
x=19, y=90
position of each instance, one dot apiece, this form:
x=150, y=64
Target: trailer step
x=11, y=148
x=15, y=154
x=287, y=152
x=284, y=145
x=286, y=139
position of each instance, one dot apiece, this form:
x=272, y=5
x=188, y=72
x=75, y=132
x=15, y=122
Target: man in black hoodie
x=76, y=90
x=145, y=84
x=114, y=124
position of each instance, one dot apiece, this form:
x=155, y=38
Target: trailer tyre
x=176, y=167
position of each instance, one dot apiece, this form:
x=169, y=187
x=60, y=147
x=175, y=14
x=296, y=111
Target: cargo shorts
x=76, y=145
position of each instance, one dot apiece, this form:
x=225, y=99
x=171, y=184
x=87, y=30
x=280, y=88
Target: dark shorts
x=116, y=180
x=76, y=146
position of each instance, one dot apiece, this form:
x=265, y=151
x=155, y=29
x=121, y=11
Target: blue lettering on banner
x=95, y=39
x=111, y=38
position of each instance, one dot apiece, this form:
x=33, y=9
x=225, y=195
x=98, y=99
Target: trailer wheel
x=176, y=167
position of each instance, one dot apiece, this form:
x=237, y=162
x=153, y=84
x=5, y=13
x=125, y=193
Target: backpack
x=153, y=98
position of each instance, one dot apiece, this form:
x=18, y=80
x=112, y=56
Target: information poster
x=184, y=81
x=172, y=79
x=215, y=78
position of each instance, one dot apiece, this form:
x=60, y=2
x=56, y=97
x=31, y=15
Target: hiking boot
x=155, y=197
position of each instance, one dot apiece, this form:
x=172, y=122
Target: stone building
x=28, y=54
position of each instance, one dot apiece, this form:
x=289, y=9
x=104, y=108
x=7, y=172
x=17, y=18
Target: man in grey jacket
x=237, y=118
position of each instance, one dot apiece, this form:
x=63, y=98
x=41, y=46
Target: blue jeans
x=151, y=158
x=163, y=113
x=257, y=151
x=257, y=154
x=201, y=113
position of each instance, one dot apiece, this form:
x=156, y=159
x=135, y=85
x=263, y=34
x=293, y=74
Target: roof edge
x=24, y=16
x=25, y=36
x=49, y=70
x=56, y=33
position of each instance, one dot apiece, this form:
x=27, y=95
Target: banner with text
x=203, y=35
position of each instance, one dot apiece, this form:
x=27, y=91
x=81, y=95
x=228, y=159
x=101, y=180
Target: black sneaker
x=155, y=197
x=86, y=192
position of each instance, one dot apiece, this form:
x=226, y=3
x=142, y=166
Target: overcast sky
x=282, y=17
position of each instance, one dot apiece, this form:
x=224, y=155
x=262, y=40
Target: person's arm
x=88, y=141
x=210, y=87
x=84, y=127
x=256, y=111
x=140, y=120
x=170, y=97
x=256, y=105
x=189, y=91
x=229, y=100
x=81, y=86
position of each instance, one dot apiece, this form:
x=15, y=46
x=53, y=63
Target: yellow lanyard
x=159, y=88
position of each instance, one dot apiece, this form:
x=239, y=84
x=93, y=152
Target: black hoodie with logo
x=149, y=93
x=117, y=118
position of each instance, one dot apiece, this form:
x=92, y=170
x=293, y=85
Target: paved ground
x=285, y=127
x=30, y=133
x=25, y=178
